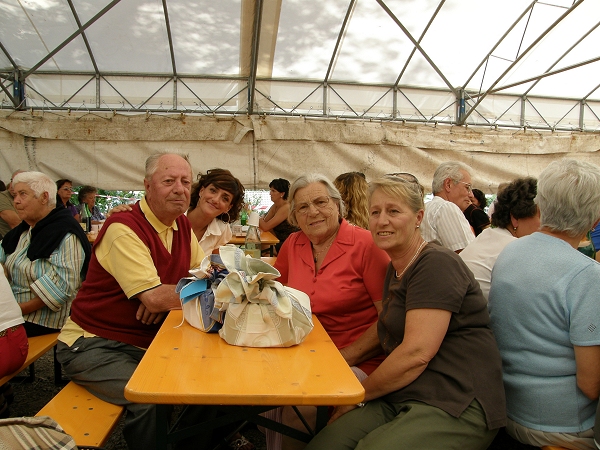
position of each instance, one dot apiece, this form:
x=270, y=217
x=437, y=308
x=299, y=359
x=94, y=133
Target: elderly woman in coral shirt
x=339, y=266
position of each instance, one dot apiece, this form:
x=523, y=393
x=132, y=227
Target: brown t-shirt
x=467, y=365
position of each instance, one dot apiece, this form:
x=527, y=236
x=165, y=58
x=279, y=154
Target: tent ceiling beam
x=544, y=75
x=463, y=118
x=418, y=46
x=77, y=91
x=254, y=55
x=83, y=35
x=8, y=94
x=170, y=38
x=71, y=37
x=412, y=52
x=565, y=53
x=8, y=56
x=497, y=44
x=340, y=37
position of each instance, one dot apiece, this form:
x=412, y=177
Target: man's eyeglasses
x=469, y=186
x=320, y=203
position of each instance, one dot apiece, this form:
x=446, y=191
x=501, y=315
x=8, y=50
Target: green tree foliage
x=106, y=200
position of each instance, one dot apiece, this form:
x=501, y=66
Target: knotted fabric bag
x=259, y=311
x=34, y=433
x=197, y=296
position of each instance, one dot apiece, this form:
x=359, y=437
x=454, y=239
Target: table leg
x=322, y=417
x=162, y=426
x=271, y=247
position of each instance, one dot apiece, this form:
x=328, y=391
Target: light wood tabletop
x=183, y=365
x=266, y=237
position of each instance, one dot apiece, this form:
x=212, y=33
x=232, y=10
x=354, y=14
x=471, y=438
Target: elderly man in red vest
x=138, y=257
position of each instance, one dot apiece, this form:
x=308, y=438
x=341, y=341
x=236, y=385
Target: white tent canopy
x=272, y=88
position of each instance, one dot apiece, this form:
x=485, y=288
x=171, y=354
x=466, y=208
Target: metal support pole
x=461, y=106
x=523, y=103
x=581, y=114
x=98, y=91
x=175, y=93
x=19, y=90
x=325, y=98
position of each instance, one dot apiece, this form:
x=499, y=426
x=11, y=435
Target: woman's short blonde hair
x=406, y=191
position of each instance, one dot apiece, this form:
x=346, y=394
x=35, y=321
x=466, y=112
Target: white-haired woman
x=545, y=314
x=340, y=268
x=45, y=256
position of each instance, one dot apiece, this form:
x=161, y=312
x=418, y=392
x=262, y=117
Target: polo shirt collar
x=156, y=224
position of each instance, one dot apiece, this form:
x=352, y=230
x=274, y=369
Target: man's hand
x=148, y=318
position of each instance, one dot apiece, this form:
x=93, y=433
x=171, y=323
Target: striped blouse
x=54, y=280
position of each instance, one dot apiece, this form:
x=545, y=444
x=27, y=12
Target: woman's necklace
x=317, y=254
x=423, y=244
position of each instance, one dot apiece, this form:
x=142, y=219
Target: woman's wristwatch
x=361, y=404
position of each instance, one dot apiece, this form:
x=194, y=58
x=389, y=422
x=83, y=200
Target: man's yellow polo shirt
x=123, y=255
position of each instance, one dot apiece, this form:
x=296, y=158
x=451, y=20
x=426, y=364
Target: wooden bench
x=83, y=415
x=38, y=346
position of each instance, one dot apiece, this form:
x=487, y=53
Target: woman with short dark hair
x=64, y=191
x=515, y=215
x=215, y=201
x=87, y=196
x=276, y=219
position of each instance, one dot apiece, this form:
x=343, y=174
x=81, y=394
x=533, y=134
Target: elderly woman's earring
x=418, y=226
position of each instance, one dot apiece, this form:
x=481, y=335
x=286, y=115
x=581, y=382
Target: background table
x=183, y=365
x=266, y=238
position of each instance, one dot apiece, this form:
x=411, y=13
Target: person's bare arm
x=162, y=298
x=10, y=217
x=366, y=346
x=31, y=305
x=587, y=360
x=270, y=223
x=425, y=330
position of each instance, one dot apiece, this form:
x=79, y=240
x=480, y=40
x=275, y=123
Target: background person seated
x=353, y=188
x=545, y=315
x=276, y=218
x=13, y=341
x=444, y=222
x=87, y=195
x=8, y=215
x=63, y=197
x=45, y=257
x=516, y=215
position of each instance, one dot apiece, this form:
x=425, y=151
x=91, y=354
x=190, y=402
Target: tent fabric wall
x=109, y=150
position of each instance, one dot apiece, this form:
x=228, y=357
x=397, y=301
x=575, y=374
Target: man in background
x=444, y=222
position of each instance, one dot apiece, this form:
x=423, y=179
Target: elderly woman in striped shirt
x=45, y=257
